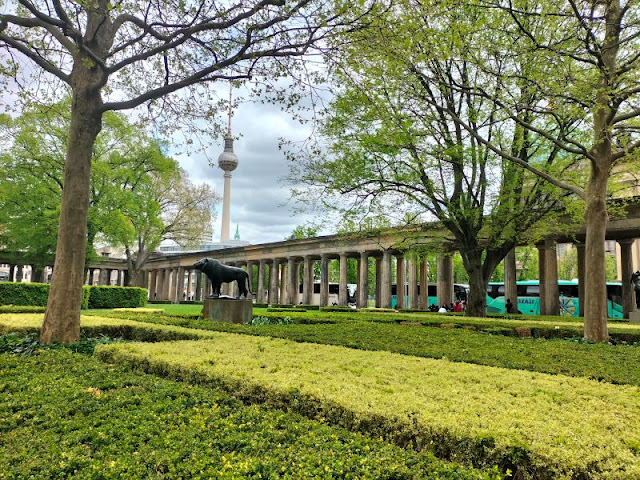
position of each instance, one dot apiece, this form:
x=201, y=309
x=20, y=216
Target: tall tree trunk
x=477, y=301
x=62, y=317
x=596, y=219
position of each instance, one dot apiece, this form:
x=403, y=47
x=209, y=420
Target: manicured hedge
x=93, y=421
x=568, y=357
x=95, y=326
x=534, y=425
x=31, y=294
x=21, y=309
x=117, y=297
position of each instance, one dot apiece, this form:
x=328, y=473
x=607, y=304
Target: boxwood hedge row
x=534, y=425
x=36, y=294
x=93, y=420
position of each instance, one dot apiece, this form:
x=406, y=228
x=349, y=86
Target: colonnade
x=95, y=276
x=290, y=280
x=107, y=276
x=30, y=273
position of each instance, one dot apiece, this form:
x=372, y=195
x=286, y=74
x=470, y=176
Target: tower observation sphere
x=228, y=161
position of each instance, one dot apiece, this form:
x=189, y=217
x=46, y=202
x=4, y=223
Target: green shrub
x=281, y=305
x=101, y=422
x=308, y=307
x=336, y=308
x=378, y=310
x=538, y=426
x=160, y=302
x=259, y=321
x=21, y=309
x=117, y=297
x=260, y=305
x=18, y=293
x=31, y=294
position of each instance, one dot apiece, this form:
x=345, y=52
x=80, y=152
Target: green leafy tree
x=399, y=147
x=586, y=68
x=139, y=196
x=33, y=166
x=113, y=56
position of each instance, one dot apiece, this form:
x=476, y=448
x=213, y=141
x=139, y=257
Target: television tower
x=228, y=162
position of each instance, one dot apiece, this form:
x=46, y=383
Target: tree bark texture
x=62, y=317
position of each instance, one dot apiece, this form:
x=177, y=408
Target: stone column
x=274, y=273
x=158, y=294
x=510, y=277
x=423, y=297
x=292, y=281
x=445, y=280
x=626, y=270
x=250, y=268
x=552, y=292
x=400, y=297
x=152, y=284
x=385, y=280
x=180, y=285
x=581, y=278
x=542, y=268
x=324, y=280
x=343, y=295
x=207, y=287
x=363, y=283
x=198, y=294
x=283, y=283
x=307, y=281
x=19, y=273
x=378, y=303
x=190, y=284
x=261, y=267
x=358, y=262
x=168, y=281
x=413, y=282
x=102, y=277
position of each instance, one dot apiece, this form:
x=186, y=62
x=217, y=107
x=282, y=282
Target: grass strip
x=536, y=425
x=68, y=415
x=614, y=364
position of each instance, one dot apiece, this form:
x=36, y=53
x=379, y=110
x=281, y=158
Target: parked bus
x=529, y=298
x=334, y=290
x=460, y=292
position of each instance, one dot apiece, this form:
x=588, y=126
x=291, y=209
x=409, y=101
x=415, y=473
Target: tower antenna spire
x=230, y=108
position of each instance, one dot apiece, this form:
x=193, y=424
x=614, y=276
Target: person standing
x=508, y=306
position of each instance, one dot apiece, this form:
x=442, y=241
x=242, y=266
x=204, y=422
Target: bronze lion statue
x=220, y=273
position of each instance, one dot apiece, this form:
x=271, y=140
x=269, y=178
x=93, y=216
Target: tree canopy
x=120, y=55
x=406, y=142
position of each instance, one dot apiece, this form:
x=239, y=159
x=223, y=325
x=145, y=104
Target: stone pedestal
x=634, y=317
x=228, y=310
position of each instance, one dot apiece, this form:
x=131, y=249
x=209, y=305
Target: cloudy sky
x=260, y=198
